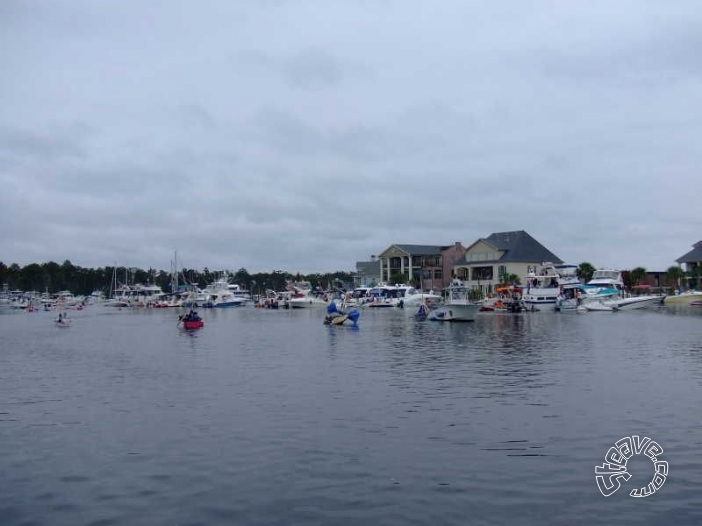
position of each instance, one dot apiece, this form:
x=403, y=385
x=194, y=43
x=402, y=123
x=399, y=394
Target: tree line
x=53, y=277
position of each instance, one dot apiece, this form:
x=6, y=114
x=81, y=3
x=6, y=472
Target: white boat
x=415, y=297
x=683, y=298
x=633, y=302
x=222, y=294
x=544, y=288
x=458, y=307
x=573, y=296
x=306, y=299
x=62, y=321
x=607, y=279
x=398, y=296
x=598, y=306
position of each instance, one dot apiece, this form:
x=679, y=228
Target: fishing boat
x=458, y=306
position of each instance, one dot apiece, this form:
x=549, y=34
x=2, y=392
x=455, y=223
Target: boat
x=458, y=306
x=62, y=321
x=684, y=298
x=573, y=296
x=303, y=298
x=598, y=306
x=544, y=288
x=507, y=298
x=384, y=296
x=222, y=294
x=336, y=316
x=621, y=303
x=191, y=320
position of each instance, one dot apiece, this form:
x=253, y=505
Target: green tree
x=675, y=275
x=510, y=279
x=638, y=275
x=585, y=271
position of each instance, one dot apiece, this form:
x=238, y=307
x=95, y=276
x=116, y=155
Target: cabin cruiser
x=306, y=298
x=544, y=288
x=610, y=283
x=221, y=293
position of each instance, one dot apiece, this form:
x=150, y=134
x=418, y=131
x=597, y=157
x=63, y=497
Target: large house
x=693, y=259
x=693, y=263
x=489, y=260
x=426, y=266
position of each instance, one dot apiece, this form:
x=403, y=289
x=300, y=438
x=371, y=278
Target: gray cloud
x=308, y=135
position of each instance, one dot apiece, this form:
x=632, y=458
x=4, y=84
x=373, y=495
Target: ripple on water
x=272, y=418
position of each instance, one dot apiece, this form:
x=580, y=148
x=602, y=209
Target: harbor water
x=270, y=417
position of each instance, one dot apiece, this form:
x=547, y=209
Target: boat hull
x=454, y=312
x=190, y=325
x=686, y=298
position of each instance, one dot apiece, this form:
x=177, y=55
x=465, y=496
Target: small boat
x=191, y=320
x=338, y=317
x=62, y=321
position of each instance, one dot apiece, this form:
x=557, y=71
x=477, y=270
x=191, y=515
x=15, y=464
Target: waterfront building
x=489, y=259
x=426, y=266
x=693, y=264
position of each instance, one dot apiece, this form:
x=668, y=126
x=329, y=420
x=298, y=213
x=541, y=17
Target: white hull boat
x=455, y=312
x=458, y=307
x=632, y=303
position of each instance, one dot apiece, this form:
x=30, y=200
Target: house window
x=462, y=273
x=502, y=270
x=438, y=273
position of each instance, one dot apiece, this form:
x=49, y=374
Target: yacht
x=222, y=294
x=544, y=288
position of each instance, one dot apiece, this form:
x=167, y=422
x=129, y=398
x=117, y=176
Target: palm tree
x=585, y=271
x=513, y=279
x=675, y=274
x=638, y=275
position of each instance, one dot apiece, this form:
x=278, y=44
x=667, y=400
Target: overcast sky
x=308, y=135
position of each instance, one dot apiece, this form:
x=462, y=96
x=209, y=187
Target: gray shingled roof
x=520, y=247
x=693, y=256
x=420, y=250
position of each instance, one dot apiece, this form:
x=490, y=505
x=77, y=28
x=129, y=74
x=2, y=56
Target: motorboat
x=458, y=306
x=572, y=296
x=306, y=298
x=221, y=294
x=544, y=288
x=689, y=297
x=384, y=296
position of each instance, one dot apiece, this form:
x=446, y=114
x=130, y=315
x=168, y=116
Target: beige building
x=489, y=259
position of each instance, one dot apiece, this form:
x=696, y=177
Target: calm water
x=270, y=417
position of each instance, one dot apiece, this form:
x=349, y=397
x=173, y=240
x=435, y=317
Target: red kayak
x=196, y=324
